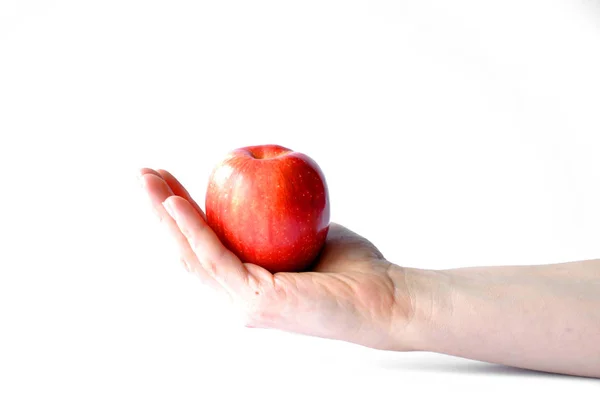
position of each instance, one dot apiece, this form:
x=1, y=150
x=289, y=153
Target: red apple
x=270, y=206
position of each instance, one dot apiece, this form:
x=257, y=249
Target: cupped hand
x=351, y=293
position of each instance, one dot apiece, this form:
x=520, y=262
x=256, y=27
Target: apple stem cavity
x=265, y=152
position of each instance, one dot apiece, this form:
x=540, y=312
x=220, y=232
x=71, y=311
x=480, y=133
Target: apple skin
x=270, y=206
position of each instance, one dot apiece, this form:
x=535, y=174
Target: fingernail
x=170, y=208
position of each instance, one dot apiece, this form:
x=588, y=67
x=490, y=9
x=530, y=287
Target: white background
x=452, y=133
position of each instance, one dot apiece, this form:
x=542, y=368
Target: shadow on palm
x=345, y=251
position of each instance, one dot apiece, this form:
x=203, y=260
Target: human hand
x=352, y=292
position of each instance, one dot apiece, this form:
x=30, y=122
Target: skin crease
x=544, y=317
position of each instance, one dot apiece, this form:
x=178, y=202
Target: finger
x=179, y=190
x=345, y=250
x=146, y=170
x=341, y=239
x=158, y=190
x=213, y=256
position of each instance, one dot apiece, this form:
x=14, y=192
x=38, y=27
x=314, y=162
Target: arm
x=543, y=318
x=538, y=317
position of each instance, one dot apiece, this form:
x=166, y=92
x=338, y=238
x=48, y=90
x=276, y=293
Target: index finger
x=218, y=261
x=179, y=190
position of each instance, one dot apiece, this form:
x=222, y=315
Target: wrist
x=425, y=296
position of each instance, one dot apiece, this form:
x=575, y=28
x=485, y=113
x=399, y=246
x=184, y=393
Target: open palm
x=351, y=293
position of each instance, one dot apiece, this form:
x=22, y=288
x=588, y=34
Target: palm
x=348, y=288
x=350, y=294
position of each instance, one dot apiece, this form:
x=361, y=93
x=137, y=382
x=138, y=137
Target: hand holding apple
x=351, y=292
x=354, y=294
x=269, y=205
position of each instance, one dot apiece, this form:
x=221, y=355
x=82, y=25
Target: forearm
x=537, y=317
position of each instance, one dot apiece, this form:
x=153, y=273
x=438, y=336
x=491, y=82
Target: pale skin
x=542, y=317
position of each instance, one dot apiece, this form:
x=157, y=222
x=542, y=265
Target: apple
x=270, y=206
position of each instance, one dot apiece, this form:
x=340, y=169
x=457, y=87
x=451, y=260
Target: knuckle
x=210, y=267
x=185, y=264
